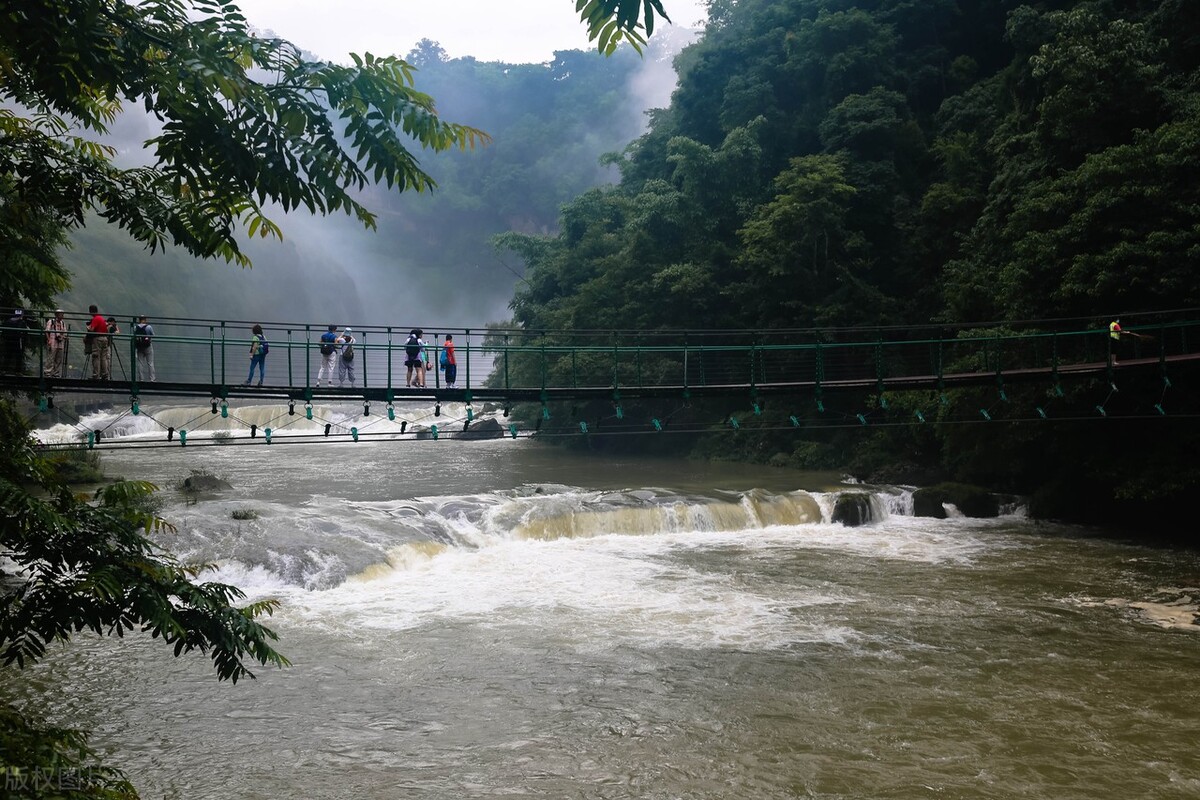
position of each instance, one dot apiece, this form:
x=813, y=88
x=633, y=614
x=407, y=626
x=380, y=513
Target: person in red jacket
x=449, y=363
x=100, y=347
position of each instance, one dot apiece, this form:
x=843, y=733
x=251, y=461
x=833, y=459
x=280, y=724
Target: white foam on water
x=235, y=420
x=609, y=589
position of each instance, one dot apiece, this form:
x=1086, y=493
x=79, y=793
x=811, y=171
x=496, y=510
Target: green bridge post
x=507, y=383
x=467, y=355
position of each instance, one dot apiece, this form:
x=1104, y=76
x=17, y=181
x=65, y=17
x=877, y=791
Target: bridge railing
x=217, y=354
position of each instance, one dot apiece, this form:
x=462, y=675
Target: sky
x=514, y=31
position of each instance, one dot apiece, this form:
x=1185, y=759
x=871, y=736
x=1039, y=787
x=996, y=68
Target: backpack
x=348, y=351
x=412, y=347
x=263, y=347
x=142, y=340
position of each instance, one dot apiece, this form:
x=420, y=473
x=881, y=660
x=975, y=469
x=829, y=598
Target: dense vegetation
x=549, y=125
x=249, y=125
x=876, y=162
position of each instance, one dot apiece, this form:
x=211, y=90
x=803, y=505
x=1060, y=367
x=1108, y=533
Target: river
x=506, y=618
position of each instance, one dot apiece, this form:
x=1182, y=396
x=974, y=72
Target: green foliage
x=245, y=121
x=852, y=164
x=76, y=465
x=90, y=566
x=31, y=272
x=45, y=763
x=609, y=22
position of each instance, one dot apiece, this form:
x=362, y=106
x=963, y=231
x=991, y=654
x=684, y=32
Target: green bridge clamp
x=657, y=424
x=734, y=422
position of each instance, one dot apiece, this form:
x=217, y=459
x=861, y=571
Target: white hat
x=346, y=331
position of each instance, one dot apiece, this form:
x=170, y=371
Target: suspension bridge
x=207, y=361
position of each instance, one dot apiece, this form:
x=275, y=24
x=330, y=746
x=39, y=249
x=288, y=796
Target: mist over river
x=505, y=618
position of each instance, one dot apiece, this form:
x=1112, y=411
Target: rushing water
x=471, y=619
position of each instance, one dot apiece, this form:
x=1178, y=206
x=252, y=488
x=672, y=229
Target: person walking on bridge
x=56, y=345
x=449, y=363
x=16, y=328
x=143, y=345
x=101, y=345
x=1114, y=339
x=346, y=361
x=414, y=358
x=329, y=356
x=258, y=355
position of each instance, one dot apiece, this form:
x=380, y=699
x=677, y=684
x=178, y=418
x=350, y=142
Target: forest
x=831, y=163
x=820, y=164
x=431, y=253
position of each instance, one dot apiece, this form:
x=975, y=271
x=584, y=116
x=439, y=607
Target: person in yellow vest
x=1114, y=339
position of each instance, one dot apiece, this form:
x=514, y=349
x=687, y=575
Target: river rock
x=483, y=429
x=852, y=509
x=204, y=482
x=971, y=501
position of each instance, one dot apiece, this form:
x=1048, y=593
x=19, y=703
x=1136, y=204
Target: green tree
x=244, y=120
x=73, y=566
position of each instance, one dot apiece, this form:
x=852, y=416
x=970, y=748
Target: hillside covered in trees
x=897, y=162
x=431, y=260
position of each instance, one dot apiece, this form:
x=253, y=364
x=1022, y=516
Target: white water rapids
x=471, y=619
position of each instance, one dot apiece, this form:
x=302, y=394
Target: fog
x=430, y=263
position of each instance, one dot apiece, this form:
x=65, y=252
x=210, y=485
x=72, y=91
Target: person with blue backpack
x=329, y=356
x=258, y=354
x=414, y=358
